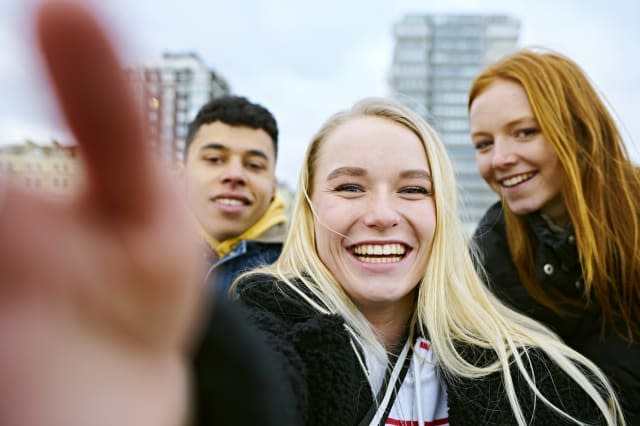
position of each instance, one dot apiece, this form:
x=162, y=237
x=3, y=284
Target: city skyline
x=306, y=61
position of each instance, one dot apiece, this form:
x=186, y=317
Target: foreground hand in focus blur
x=98, y=292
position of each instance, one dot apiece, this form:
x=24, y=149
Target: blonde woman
x=375, y=308
x=563, y=244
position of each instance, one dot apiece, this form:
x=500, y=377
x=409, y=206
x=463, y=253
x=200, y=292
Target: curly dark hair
x=234, y=111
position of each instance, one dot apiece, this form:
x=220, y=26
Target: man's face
x=230, y=178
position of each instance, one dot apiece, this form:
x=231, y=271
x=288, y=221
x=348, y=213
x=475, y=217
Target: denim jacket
x=247, y=255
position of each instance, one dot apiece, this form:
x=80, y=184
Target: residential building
x=50, y=168
x=171, y=90
x=435, y=59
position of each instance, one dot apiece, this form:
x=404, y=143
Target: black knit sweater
x=280, y=362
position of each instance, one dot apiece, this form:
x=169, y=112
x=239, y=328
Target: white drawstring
x=417, y=386
x=393, y=381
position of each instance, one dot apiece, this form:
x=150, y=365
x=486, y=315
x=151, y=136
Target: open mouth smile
x=516, y=180
x=230, y=202
x=379, y=253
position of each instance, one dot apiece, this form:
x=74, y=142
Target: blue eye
x=414, y=190
x=482, y=145
x=527, y=133
x=348, y=187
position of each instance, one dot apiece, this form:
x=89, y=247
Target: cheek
x=323, y=246
x=556, y=170
x=422, y=219
x=330, y=226
x=330, y=212
x=194, y=183
x=551, y=168
x=258, y=181
x=483, y=163
x=429, y=229
x=201, y=176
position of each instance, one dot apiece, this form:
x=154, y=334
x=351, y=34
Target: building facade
x=435, y=59
x=52, y=168
x=170, y=91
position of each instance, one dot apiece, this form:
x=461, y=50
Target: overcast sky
x=305, y=60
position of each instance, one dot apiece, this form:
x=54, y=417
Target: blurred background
x=306, y=60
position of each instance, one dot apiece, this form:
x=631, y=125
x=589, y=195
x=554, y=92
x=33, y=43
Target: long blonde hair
x=601, y=187
x=452, y=303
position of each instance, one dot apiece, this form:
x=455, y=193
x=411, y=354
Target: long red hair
x=601, y=190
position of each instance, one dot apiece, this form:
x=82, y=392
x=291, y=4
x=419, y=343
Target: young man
x=229, y=173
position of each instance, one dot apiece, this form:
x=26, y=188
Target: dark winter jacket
x=311, y=376
x=558, y=266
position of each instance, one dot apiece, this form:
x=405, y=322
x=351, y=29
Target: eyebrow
x=358, y=171
x=346, y=171
x=221, y=147
x=416, y=174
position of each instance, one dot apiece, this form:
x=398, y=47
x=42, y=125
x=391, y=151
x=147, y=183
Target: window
x=450, y=97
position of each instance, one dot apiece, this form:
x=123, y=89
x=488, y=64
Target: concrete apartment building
x=435, y=59
x=171, y=89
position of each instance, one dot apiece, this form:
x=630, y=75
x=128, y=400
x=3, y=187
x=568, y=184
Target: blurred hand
x=99, y=291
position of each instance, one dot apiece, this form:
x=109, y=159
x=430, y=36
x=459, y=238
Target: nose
x=503, y=154
x=234, y=172
x=381, y=212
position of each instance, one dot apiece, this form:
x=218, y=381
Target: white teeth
x=512, y=181
x=391, y=252
x=229, y=202
x=379, y=249
x=380, y=259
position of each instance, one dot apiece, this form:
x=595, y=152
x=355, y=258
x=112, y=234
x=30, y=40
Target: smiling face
x=512, y=154
x=375, y=213
x=230, y=178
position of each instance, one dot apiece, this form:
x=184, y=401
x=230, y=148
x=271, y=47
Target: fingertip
x=60, y=22
x=54, y=14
